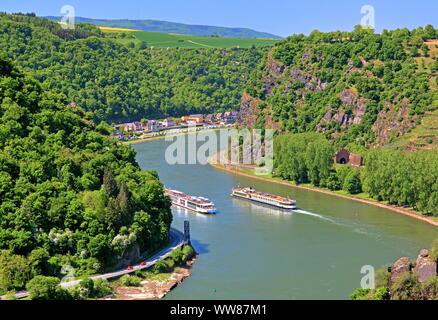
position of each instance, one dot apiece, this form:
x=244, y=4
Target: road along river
x=250, y=251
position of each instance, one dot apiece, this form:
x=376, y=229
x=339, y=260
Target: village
x=152, y=128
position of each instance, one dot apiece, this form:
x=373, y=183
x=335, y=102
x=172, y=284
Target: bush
x=352, y=183
x=332, y=182
x=360, y=294
x=188, y=252
x=130, y=281
x=102, y=288
x=430, y=288
x=160, y=267
x=47, y=288
x=406, y=287
x=433, y=252
x=382, y=278
x=381, y=294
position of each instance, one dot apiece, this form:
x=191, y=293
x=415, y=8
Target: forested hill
x=117, y=82
x=375, y=95
x=173, y=27
x=68, y=194
x=353, y=86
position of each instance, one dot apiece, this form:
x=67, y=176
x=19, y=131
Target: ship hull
x=194, y=210
x=265, y=203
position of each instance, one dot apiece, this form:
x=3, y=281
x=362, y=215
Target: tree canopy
x=70, y=196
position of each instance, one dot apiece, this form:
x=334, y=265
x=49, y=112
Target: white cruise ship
x=197, y=204
x=264, y=198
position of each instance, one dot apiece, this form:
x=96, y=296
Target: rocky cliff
x=339, y=87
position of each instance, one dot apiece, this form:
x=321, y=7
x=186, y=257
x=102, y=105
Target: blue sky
x=281, y=17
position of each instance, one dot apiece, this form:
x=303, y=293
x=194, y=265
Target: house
x=230, y=117
x=343, y=156
x=219, y=116
x=208, y=118
x=129, y=126
x=152, y=126
x=356, y=160
x=138, y=126
x=168, y=123
x=198, y=118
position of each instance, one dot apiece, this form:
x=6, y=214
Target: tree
x=352, y=183
x=15, y=271
x=46, y=288
x=123, y=200
x=109, y=183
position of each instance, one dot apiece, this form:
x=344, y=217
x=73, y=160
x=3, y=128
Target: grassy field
x=168, y=40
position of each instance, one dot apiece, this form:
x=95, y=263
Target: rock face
x=249, y=109
x=425, y=267
x=311, y=83
x=349, y=101
x=276, y=73
x=393, y=122
x=401, y=266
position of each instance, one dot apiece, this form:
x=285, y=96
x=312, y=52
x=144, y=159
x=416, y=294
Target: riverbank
x=162, y=136
x=155, y=287
x=247, y=173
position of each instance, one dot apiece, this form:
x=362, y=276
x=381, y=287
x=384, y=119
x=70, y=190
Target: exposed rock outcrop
x=401, y=266
x=350, y=112
x=249, y=109
x=393, y=122
x=425, y=266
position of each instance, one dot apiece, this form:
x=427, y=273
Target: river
x=248, y=251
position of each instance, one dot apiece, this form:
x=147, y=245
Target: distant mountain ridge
x=174, y=27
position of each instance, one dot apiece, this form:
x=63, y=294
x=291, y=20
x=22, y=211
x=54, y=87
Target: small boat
x=264, y=198
x=197, y=204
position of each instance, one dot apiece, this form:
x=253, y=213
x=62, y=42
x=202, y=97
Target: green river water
x=248, y=251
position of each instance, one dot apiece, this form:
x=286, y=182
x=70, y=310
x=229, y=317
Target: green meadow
x=168, y=40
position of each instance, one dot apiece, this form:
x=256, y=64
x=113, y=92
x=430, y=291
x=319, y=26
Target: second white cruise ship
x=264, y=198
x=197, y=204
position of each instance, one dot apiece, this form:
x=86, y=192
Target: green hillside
x=119, y=79
x=69, y=195
x=173, y=27
x=164, y=40
x=355, y=86
x=373, y=94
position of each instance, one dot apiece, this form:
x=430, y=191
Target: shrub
x=381, y=294
x=430, y=288
x=406, y=287
x=352, y=183
x=101, y=288
x=47, y=288
x=160, y=267
x=433, y=252
x=188, y=252
x=360, y=294
x=130, y=281
x=382, y=278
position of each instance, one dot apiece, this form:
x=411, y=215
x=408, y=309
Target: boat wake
x=356, y=227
